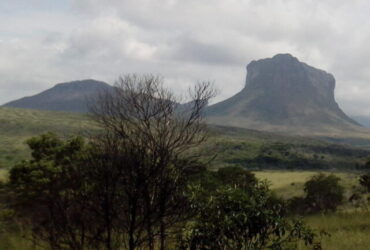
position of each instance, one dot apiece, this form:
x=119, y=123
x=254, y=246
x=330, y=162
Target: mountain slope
x=68, y=97
x=283, y=94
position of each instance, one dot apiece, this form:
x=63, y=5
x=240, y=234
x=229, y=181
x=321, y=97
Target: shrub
x=237, y=177
x=231, y=218
x=323, y=193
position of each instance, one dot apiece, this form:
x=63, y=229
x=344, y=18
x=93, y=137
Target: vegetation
x=143, y=175
x=365, y=178
x=347, y=230
x=18, y=125
x=136, y=181
x=323, y=193
x=261, y=150
x=239, y=217
x=49, y=193
x=228, y=146
x=347, y=223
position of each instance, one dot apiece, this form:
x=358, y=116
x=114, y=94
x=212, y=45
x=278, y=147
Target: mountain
x=285, y=95
x=68, y=97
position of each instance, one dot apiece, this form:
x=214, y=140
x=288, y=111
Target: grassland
x=290, y=183
x=348, y=228
x=347, y=231
x=18, y=125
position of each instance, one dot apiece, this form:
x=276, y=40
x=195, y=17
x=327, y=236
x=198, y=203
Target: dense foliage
x=234, y=218
x=323, y=193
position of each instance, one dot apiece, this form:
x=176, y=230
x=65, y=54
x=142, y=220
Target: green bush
x=237, y=177
x=231, y=218
x=323, y=193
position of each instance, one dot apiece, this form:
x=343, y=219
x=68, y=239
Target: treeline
x=270, y=155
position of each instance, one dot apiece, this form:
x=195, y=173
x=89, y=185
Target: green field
x=290, y=183
x=349, y=227
x=347, y=230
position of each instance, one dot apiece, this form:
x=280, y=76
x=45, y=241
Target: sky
x=44, y=42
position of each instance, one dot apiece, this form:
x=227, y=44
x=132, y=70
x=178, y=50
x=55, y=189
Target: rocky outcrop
x=281, y=93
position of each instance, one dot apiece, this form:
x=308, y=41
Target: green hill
x=17, y=125
x=227, y=146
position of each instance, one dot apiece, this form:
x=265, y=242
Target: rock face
x=68, y=97
x=283, y=94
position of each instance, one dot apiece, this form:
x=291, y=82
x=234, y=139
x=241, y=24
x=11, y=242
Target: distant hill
x=283, y=94
x=68, y=97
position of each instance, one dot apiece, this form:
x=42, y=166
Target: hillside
x=283, y=94
x=17, y=125
x=67, y=97
x=228, y=146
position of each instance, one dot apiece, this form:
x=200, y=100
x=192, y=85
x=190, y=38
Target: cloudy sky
x=43, y=42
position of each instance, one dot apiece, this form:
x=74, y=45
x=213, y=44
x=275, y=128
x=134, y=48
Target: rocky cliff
x=283, y=94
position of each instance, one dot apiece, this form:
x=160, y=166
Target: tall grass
x=347, y=230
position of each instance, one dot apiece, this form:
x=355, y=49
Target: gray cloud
x=185, y=41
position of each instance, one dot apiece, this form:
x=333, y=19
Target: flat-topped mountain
x=69, y=97
x=283, y=94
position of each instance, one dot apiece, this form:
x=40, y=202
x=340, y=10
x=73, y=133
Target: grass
x=18, y=125
x=290, y=183
x=347, y=230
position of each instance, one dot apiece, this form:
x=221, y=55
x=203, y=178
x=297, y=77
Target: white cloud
x=185, y=41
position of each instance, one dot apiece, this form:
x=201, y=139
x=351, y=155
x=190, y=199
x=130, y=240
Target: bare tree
x=151, y=135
